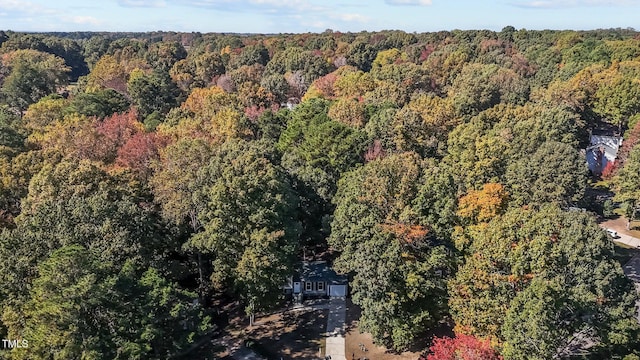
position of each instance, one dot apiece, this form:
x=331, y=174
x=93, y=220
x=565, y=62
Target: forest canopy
x=145, y=176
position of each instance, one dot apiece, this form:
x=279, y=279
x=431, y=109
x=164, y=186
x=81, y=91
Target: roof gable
x=320, y=271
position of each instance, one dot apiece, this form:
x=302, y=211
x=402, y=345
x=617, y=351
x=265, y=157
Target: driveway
x=336, y=328
x=337, y=306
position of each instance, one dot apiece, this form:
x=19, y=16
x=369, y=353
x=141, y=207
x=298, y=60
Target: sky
x=299, y=16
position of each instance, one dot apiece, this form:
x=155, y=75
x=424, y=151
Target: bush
x=608, y=208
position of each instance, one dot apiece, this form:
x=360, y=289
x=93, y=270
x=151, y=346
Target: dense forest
x=144, y=175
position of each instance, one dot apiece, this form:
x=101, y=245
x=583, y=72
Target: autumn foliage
x=461, y=347
x=139, y=151
x=483, y=205
x=633, y=138
x=115, y=131
x=408, y=233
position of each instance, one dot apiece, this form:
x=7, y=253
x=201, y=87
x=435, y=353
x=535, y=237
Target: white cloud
x=351, y=18
x=409, y=2
x=84, y=20
x=24, y=7
x=247, y=5
x=276, y=3
x=142, y=3
x=546, y=4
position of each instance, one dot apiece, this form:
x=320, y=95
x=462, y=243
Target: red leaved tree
x=139, y=151
x=633, y=138
x=375, y=151
x=462, y=347
x=113, y=132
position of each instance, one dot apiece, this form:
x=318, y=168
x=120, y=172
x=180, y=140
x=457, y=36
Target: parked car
x=613, y=233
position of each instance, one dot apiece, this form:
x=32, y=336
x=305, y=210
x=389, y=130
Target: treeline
x=141, y=175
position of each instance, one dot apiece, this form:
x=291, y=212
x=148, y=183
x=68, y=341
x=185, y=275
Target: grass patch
x=618, y=211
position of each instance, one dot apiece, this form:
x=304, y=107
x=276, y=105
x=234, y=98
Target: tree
x=252, y=54
x=100, y=103
x=361, y=55
x=292, y=60
x=350, y=112
x=534, y=279
x=436, y=200
x=618, y=94
x=65, y=48
x=479, y=87
x=94, y=48
x=394, y=259
x=248, y=221
x=113, y=133
x=33, y=75
x=177, y=184
x=206, y=67
x=627, y=184
x=210, y=114
x=277, y=85
x=164, y=54
x=108, y=73
x=316, y=152
x=554, y=173
x=12, y=132
x=151, y=93
x=57, y=318
x=139, y=152
x=535, y=326
x=462, y=347
x=76, y=202
x=79, y=309
x=483, y=149
x=353, y=84
x=483, y=205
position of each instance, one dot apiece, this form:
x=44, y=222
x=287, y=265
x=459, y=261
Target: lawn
x=291, y=334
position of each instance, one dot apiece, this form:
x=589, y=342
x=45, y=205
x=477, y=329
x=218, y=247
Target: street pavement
x=627, y=240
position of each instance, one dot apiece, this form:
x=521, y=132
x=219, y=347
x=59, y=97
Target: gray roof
x=320, y=271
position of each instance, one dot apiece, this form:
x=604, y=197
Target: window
x=320, y=286
x=308, y=286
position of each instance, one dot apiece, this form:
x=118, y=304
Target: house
x=291, y=103
x=602, y=150
x=316, y=279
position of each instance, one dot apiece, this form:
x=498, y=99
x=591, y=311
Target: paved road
x=628, y=240
x=619, y=225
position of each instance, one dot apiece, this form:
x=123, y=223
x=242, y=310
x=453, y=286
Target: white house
x=602, y=150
